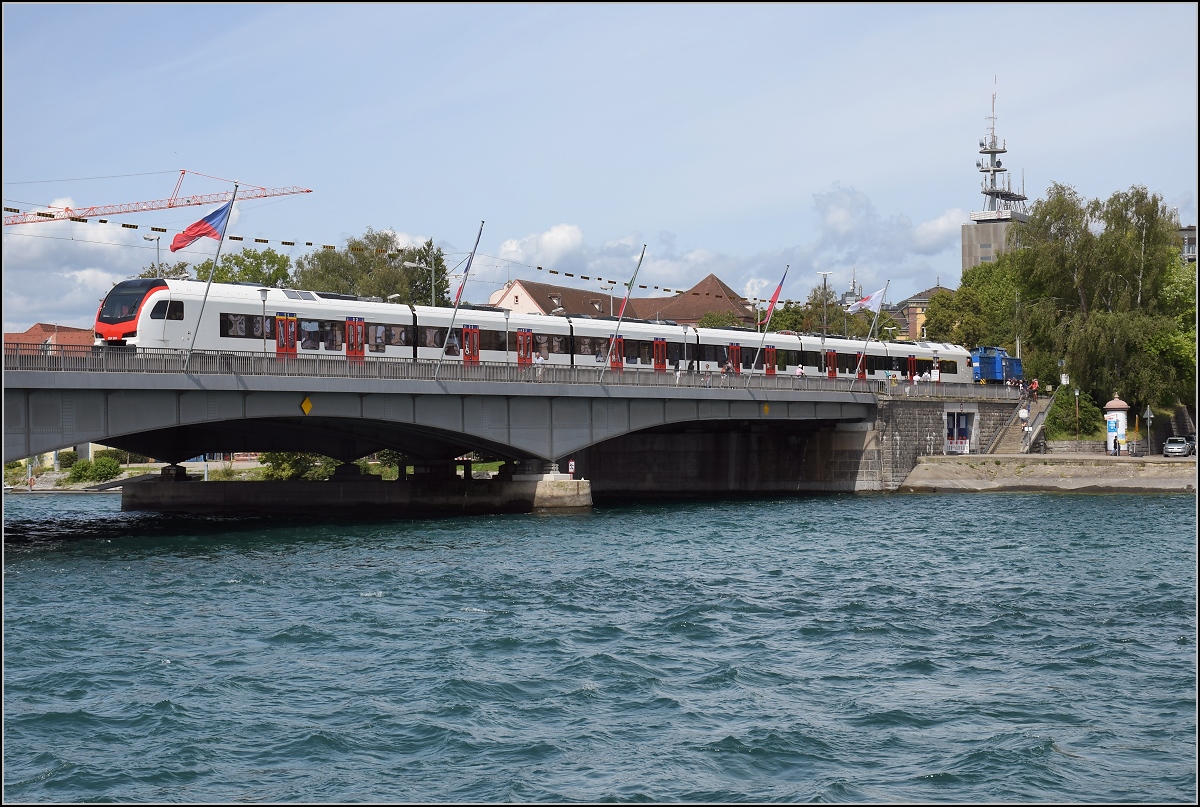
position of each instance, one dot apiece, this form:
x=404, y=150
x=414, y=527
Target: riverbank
x=1080, y=473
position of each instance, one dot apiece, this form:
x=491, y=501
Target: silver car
x=1177, y=447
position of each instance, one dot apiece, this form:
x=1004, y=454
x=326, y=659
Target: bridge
x=610, y=422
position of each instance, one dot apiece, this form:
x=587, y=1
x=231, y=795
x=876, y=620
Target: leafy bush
x=296, y=465
x=14, y=465
x=122, y=457
x=80, y=471
x=66, y=459
x=104, y=469
x=1060, y=420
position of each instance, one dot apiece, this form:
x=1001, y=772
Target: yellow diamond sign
x=306, y=405
x=766, y=409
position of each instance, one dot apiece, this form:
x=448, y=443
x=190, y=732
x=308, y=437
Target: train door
x=660, y=355
x=912, y=367
x=357, y=326
x=770, y=360
x=831, y=363
x=470, y=339
x=524, y=347
x=293, y=323
x=281, y=350
x=735, y=357
x=618, y=353
x=861, y=365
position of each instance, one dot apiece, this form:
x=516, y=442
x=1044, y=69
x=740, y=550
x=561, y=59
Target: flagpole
x=766, y=326
x=878, y=310
x=457, y=298
x=224, y=226
x=612, y=342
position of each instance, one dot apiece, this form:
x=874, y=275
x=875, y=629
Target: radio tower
x=984, y=238
x=1003, y=203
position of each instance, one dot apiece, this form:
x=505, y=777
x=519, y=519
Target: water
x=958, y=648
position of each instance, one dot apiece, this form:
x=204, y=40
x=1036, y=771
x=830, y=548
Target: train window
x=377, y=338
x=175, y=310
x=398, y=335
x=674, y=352
x=432, y=337
x=491, y=340
x=306, y=295
x=332, y=333
x=596, y=346
x=310, y=334
x=949, y=367
x=160, y=310
x=291, y=295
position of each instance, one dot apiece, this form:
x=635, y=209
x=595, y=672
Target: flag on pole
x=872, y=302
x=211, y=226
x=775, y=297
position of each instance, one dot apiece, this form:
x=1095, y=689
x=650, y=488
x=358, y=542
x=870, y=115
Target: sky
x=732, y=139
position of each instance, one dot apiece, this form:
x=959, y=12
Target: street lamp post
x=262, y=293
x=889, y=329
x=432, y=282
x=157, y=260
x=824, y=304
x=685, y=330
x=608, y=289
x=1149, y=421
x=1077, y=413
x=506, y=313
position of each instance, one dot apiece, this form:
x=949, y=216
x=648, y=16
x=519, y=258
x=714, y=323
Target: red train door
x=351, y=351
x=770, y=360
x=618, y=353
x=293, y=324
x=735, y=357
x=912, y=367
x=524, y=347
x=861, y=364
x=660, y=355
x=470, y=339
x=831, y=363
x=356, y=338
x=281, y=350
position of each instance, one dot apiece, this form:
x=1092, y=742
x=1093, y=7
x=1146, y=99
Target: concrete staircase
x=1012, y=440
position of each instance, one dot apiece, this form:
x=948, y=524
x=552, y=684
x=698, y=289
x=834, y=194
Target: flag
x=212, y=225
x=775, y=297
x=467, y=271
x=871, y=302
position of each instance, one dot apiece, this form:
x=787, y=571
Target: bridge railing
x=62, y=358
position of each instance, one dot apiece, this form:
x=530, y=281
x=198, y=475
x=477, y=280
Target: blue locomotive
x=993, y=365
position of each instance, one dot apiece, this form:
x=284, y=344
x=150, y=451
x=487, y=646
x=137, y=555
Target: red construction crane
x=85, y=213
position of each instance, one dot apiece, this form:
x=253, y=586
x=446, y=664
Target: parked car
x=1177, y=447
x=1191, y=438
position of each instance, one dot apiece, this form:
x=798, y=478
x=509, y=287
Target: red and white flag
x=871, y=302
x=775, y=296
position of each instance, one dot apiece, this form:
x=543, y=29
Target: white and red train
x=156, y=313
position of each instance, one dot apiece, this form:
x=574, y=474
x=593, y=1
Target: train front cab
x=117, y=319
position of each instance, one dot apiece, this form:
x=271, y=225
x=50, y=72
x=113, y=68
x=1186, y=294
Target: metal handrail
x=1039, y=421
x=84, y=358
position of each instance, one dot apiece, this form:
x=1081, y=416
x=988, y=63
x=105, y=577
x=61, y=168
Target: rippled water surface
x=1017, y=647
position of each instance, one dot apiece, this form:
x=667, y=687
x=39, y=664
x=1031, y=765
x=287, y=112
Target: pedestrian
x=678, y=372
x=1033, y=390
x=726, y=372
x=799, y=374
x=540, y=362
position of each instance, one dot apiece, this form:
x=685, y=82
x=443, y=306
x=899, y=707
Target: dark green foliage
x=714, y=319
x=80, y=471
x=285, y=465
x=14, y=465
x=1060, y=420
x=122, y=457
x=373, y=266
x=266, y=268
x=1099, y=284
x=66, y=459
x=389, y=458
x=103, y=469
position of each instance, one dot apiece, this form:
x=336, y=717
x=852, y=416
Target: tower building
x=983, y=237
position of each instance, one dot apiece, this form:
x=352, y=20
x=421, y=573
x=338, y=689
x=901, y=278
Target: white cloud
x=548, y=248
x=936, y=235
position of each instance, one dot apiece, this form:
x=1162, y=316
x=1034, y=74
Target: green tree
x=284, y=465
x=1060, y=420
x=266, y=268
x=374, y=266
x=719, y=319
x=180, y=270
x=102, y=470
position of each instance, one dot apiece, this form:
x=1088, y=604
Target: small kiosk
x=1116, y=419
